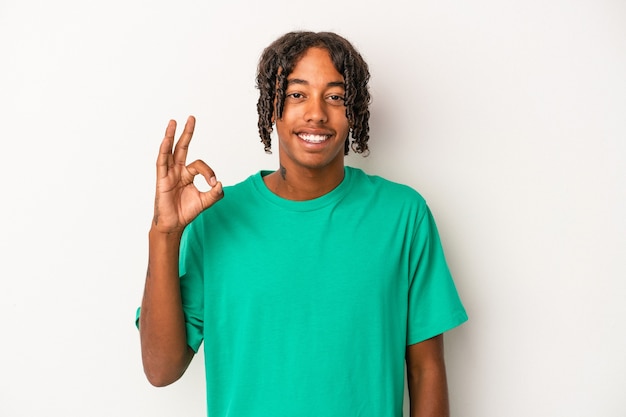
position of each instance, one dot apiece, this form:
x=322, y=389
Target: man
x=310, y=286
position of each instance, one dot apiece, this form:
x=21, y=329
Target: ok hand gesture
x=178, y=201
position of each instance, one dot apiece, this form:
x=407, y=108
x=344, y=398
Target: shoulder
x=387, y=200
x=243, y=188
x=391, y=191
x=237, y=197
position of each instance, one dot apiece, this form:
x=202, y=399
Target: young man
x=311, y=286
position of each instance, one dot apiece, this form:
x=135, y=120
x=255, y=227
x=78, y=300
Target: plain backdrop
x=509, y=116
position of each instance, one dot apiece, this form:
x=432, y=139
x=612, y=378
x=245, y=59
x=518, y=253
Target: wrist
x=173, y=236
x=163, y=251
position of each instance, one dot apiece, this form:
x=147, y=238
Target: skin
x=426, y=379
x=164, y=349
x=314, y=106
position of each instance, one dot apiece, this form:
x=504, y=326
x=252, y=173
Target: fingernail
x=212, y=181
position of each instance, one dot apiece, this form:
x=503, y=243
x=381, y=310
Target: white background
x=508, y=116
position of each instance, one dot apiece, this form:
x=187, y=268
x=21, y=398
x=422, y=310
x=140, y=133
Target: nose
x=316, y=111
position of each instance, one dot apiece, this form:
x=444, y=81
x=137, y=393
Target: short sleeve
x=434, y=305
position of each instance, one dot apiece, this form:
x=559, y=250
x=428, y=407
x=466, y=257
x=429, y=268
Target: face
x=314, y=126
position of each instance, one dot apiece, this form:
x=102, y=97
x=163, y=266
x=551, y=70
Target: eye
x=336, y=99
x=296, y=96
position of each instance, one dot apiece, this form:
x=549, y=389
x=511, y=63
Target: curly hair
x=278, y=61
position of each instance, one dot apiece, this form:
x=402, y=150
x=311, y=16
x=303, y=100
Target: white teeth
x=313, y=138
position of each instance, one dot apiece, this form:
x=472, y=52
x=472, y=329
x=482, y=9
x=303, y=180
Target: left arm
x=426, y=375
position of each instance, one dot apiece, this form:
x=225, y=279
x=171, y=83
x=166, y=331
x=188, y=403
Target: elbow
x=165, y=371
x=159, y=379
x=162, y=376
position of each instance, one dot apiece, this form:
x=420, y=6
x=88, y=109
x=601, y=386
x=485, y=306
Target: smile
x=313, y=138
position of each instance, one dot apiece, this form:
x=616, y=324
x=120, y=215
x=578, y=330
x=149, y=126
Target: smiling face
x=314, y=127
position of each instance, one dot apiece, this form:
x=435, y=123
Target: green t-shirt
x=306, y=308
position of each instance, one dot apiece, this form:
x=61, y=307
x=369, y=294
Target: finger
x=215, y=194
x=164, y=160
x=182, y=146
x=199, y=167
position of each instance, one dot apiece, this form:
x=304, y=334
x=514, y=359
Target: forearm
x=164, y=349
x=429, y=395
x=426, y=379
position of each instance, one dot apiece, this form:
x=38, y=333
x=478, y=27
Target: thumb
x=215, y=194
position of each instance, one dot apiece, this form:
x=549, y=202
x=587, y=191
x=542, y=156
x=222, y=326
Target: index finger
x=164, y=160
x=182, y=146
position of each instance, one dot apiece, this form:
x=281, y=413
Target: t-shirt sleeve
x=434, y=304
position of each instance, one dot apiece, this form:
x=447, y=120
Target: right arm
x=164, y=348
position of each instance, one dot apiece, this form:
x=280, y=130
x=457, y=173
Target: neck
x=300, y=184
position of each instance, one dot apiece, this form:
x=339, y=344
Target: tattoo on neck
x=283, y=172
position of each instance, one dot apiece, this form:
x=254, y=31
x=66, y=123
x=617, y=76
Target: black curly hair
x=278, y=61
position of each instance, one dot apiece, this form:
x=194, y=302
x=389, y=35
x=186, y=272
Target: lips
x=311, y=138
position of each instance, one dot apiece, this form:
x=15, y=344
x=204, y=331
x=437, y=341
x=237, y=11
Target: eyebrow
x=305, y=82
